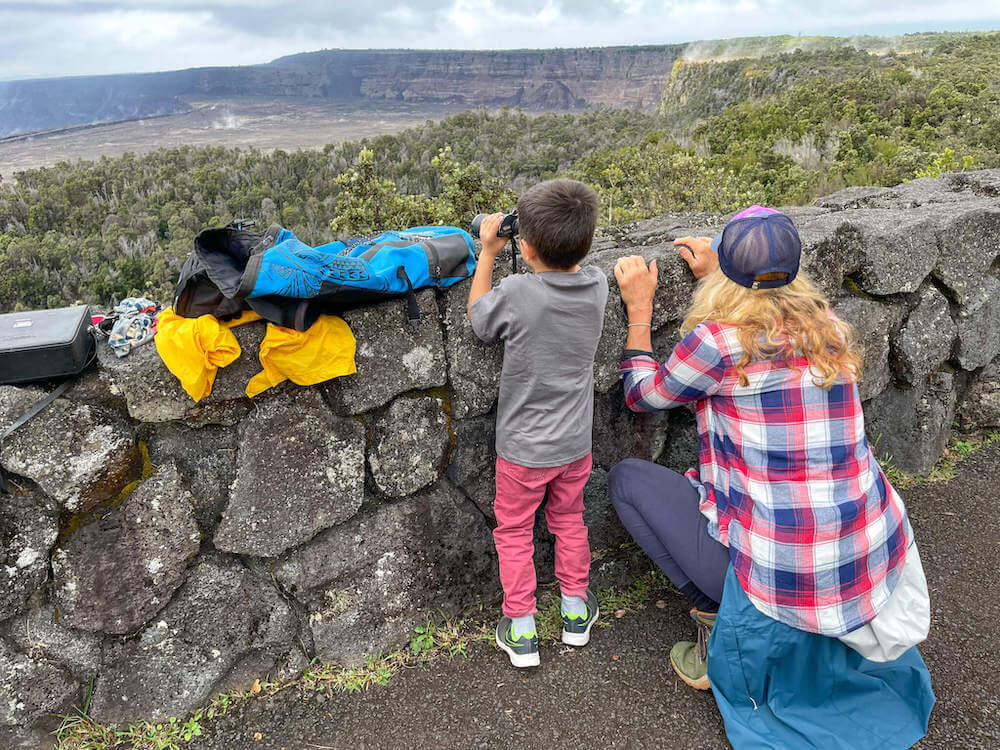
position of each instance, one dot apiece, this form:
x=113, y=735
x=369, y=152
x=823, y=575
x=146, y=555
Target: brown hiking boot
x=690, y=660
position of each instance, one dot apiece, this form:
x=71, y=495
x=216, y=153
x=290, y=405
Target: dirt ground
x=619, y=692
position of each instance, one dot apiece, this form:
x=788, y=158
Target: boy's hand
x=699, y=255
x=637, y=283
x=492, y=245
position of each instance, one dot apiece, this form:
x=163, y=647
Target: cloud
x=67, y=37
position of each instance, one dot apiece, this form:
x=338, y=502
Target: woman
x=790, y=523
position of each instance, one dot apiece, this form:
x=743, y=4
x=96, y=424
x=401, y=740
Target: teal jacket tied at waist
x=779, y=687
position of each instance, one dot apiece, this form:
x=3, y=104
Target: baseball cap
x=759, y=248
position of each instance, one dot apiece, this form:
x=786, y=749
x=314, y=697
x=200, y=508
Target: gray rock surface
x=624, y=433
x=473, y=367
x=874, y=323
x=392, y=358
x=77, y=453
x=220, y=613
x=32, y=692
x=926, y=338
x=28, y=530
x=923, y=191
x=851, y=197
x=970, y=243
x=153, y=394
x=39, y=633
x=299, y=470
x=985, y=182
x=367, y=583
x=205, y=458
x=978, y=324
x=603, y=527
x=912, y=426
x=475, y=453
x=898, y=249
x=831, y=250
x=115, y=573
x=409, y=442
x=980, y=407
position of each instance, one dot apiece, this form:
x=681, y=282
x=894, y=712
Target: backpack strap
x=35, y=409
x=412, y=308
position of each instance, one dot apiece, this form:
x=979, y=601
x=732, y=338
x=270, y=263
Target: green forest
x=780, y=129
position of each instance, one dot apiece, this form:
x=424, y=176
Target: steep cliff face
x=326, y=522
x=631, y=77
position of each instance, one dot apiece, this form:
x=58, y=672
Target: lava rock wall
x=173, y=550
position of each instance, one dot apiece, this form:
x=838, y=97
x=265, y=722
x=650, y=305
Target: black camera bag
x=43, y=345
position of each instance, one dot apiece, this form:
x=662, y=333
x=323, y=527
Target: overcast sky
x=63, y=37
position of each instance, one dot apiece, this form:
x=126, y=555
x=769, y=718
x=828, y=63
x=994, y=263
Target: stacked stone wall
x=172, y=550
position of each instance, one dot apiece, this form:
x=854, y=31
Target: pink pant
x=520, y=490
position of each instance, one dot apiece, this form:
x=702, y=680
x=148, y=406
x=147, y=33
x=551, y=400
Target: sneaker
x=690, y=660
x=576, y=629
x=523, y=651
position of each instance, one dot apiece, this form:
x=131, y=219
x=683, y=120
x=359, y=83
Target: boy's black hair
x=558, y=218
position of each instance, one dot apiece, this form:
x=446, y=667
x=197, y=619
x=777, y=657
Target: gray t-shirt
x=549, y=323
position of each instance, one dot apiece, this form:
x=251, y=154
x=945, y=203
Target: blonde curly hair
x=784, y=323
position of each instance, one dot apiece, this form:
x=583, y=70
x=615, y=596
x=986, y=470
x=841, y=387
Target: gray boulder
x=603, y=527
x=679, y=450
x=28, y=530
x=831, y=250
x=221, y=614
x=978, y=324
x=153, y=394
x=926, y=339
x=206, y=460
x=898, y=249
x=970, y=243
x=980, y=407
x=409, y=441
x=392, y=357
x=32, y=694
x=623, y=433
x=299, y=469
x=117, y=572
x=78, y=454
x=912, y=426
x=873, y=323
x=39, y=633
x=367, y=583
x=475, y=449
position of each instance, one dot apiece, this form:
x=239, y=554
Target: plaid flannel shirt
x=816, y=533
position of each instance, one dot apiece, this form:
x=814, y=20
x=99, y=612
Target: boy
x=550, y=322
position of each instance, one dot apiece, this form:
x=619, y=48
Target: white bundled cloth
x=903, y=621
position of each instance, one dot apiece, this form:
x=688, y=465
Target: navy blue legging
x=659, y=507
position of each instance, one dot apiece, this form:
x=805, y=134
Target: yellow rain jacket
x=308, y=357
x=193, y=349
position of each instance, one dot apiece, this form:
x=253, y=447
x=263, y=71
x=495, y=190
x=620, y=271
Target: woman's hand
x=699, y=255
x=637, y=283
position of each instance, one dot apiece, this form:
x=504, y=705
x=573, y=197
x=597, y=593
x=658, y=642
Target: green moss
x=70, y=523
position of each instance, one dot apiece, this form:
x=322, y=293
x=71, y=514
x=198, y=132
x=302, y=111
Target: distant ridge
x=562, y=79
